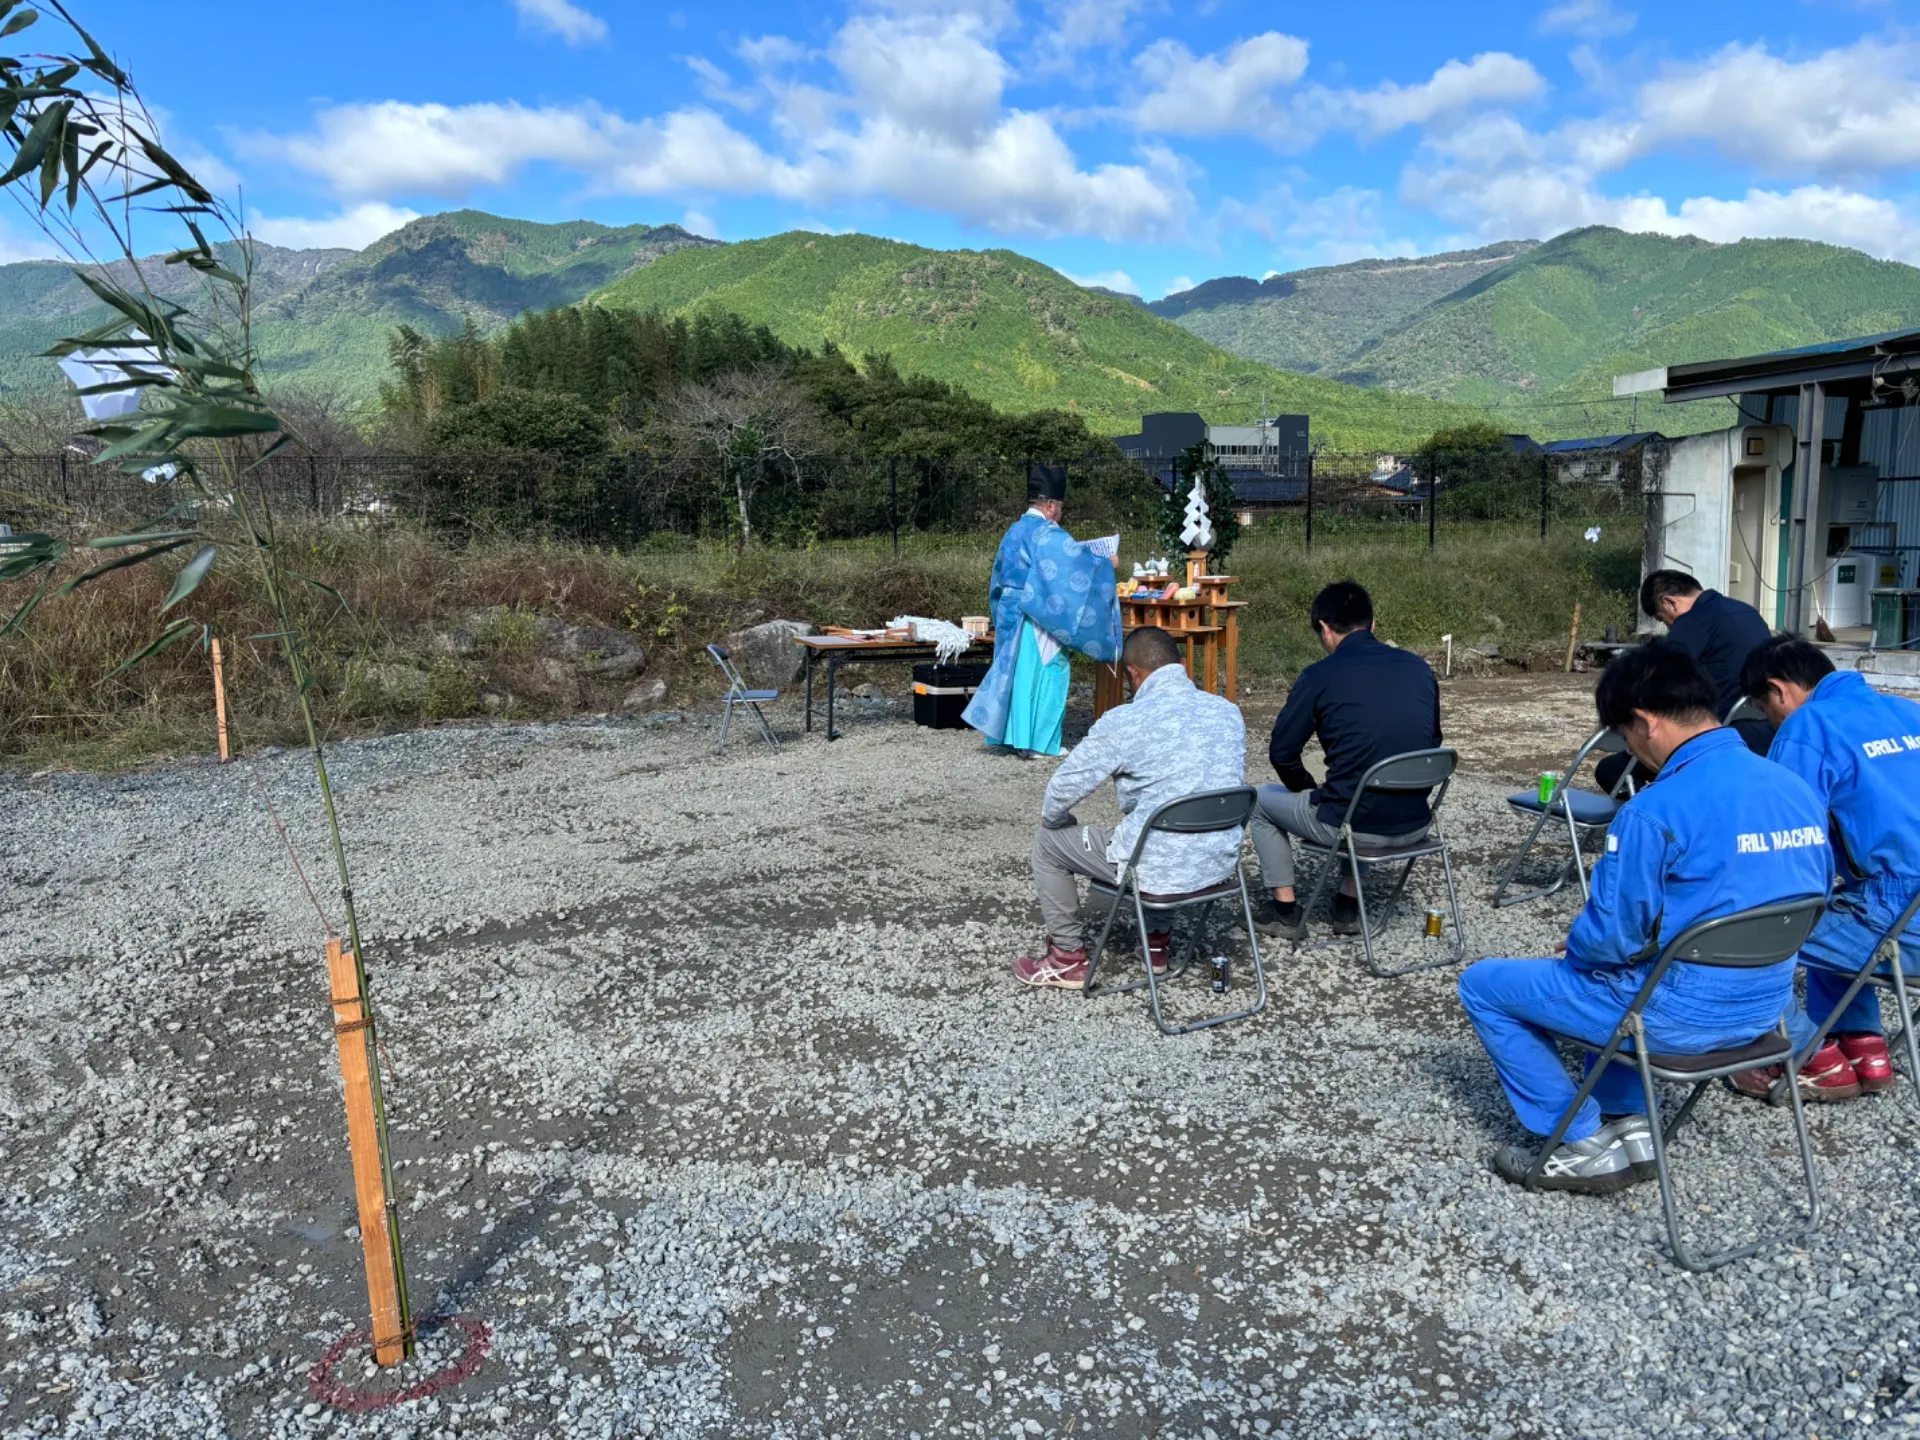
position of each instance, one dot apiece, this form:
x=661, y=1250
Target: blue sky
x=1141, y=143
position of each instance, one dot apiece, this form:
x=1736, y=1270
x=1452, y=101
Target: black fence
x=623, y=500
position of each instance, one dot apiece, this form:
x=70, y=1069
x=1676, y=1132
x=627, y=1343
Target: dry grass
x=61, y=705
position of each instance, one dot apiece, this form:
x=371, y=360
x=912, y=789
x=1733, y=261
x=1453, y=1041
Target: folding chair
x=1198, y=814
x=1583, y=810
x=739, y=694
x=1428, y=770
x=1886, y=952
x=1748, y=940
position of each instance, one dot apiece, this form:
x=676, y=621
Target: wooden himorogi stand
x=1207, y=625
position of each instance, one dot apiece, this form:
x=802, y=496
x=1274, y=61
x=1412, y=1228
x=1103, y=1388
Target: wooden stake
x=220, y=701
x=1573, y=636
x=355, y=1033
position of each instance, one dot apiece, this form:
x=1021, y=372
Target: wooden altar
x=1208, y=626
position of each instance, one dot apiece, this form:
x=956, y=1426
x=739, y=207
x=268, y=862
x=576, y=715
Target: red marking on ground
x=329, y=1391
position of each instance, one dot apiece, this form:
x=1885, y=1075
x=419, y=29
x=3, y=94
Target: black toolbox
x=941, y=692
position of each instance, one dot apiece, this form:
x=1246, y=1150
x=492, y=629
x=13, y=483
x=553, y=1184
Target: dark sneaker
x=1346, y=915
x=1636, y=1138
x=1268, y=920
x=1597, y=1165
x=1867, y=1053
x=1057, y=969
x=1826, y=1079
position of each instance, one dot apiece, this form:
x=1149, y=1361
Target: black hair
x=1661, y=584
x=1784, y=657
x=1658, y=677
x=1343, y=607
x=1150, y=647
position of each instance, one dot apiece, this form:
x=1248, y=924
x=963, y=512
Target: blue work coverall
x=1724, y=830
x=1859, y=752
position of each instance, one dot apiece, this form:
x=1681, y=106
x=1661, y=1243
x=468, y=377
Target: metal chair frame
x=739, y=694
x=1747, y=940
x=1429, y=770
x=1602, y=742
x=1197, y=814
x=1886, y=951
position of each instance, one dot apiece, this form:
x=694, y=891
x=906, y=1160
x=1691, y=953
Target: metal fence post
x=1543, y=500
x=1433, y=505
x=313, y=482
x=893, y=501
x=1309, y=504
x=66, y=497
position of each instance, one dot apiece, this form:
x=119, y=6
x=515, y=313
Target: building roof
x=1600, y=443
x=1842, y=365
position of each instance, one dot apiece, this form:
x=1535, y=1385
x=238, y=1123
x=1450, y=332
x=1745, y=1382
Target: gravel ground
x=714, y=1099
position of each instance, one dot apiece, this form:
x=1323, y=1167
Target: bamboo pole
x=1573, y=637
x=353, y=1028
x=220, y=702
x=260, y=533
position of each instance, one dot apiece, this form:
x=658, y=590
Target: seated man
x=1859, y=752
x=1716, y=630
x=1171, y=740
x=1681, y=851
x=1366, y=701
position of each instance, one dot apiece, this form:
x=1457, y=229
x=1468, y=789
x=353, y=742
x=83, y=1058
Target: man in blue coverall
x=1859, y=751
x=1723, y=831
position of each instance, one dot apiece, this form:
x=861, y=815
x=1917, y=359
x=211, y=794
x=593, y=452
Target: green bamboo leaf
x=179, y=630
x=190, y=576
x=50, y=167
x=322, y=585
x=152, y=537
x=18, y=23
x=119, y=562
x=137, y=442
x=70, y=157
x=19, y=617
x=175, y=171
x=97, y=60
x=33, y=149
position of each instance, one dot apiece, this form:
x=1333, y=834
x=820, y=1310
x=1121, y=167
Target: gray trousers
x=1060, y=857
x=1283, y=812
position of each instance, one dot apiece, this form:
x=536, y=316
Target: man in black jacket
x=1366, y=701
x=1719, y=632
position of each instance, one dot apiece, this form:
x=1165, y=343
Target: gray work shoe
x=1636, y=1138
x=1597, y=1165
x=1346, y=914
x=1270, y=923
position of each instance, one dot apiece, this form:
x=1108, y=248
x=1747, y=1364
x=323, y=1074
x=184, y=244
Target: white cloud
x=353, y=229
x=1177, y=284
x=1078, y=25
x=1106, y=280
x=935, y=74
x=1226, y=93
x=1589, y=19
x=698, y=222
x=1495, y=78
x=917, y=118
x=1843, y=112
x=562, y=18
x=394, y=148
x=718, y=86
x=32, y=245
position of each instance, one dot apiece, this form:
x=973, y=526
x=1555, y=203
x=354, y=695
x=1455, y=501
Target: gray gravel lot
x=715, y=1100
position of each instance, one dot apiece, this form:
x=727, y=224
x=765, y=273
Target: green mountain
x=1539, y=336
x=322, y=317
x=1541, y=339
x=1011, y=331
x=1315, y=321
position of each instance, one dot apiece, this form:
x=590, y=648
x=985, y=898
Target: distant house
x=1267, y=461
x=1599, y=459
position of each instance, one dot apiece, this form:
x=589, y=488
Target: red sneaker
x=1160, y=952
x=1867, y=1053
x=1824, y=1080
x=1057, y=969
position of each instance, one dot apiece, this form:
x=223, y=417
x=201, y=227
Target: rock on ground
x=712, y=1096
x=766, y=654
